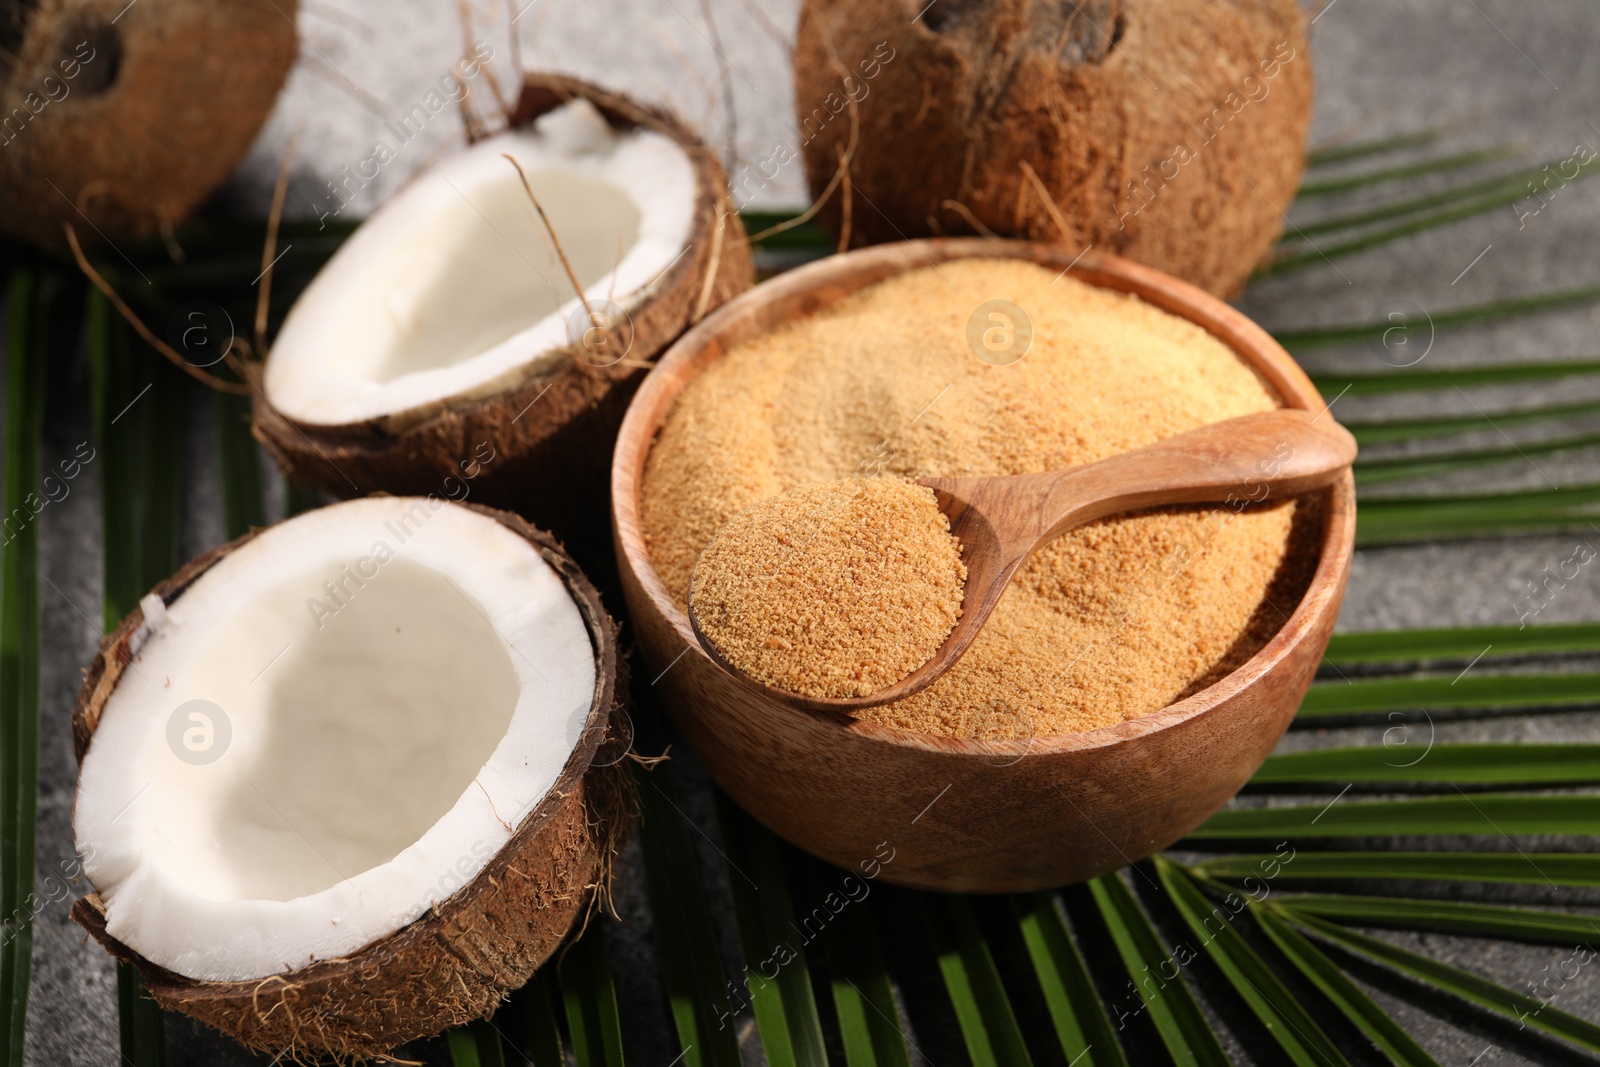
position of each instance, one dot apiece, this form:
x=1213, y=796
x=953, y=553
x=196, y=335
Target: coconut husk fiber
x=1171, y=132
x=122, y=119
x=459, y=961
x=552, y=464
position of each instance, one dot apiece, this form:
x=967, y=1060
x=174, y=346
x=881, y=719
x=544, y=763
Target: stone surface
x=1489, y=71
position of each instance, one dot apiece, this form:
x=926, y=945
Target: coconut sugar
x=836, y=589
x=1109, y=622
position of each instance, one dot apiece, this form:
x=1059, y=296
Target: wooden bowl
x=963, y=814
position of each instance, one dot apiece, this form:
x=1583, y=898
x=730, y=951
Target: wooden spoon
x=1000, y=520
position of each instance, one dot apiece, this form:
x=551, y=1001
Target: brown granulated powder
x=836, y=589
x=1108, y=622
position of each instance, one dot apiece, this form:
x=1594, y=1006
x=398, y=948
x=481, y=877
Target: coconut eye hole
x=947, y=15
x=1074, y=31
x=1088, y=31
x=92, y=36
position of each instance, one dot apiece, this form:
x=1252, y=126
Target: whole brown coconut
x=466, y=955
x=1167, y=131
x=123, y=118
x=552, y=466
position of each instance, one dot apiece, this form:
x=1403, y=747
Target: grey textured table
x=1491, y=70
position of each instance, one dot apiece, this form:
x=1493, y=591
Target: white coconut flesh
x=290, y=770
x=453, y=288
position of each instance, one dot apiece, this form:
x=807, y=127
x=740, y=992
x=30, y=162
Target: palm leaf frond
x=1464, y=764
x=1076, y=1011
x=1381, y=696
x=20, y=621
x=589, y=997
x=1167, y=999
x=476, y=1045
x=1346, y=151
x=1454, y=162
x=1342, y=993
x=1480, y=992
x=1491, y=814
x=1505, y=868
x=697, y=987
x=982, y=1008
x=776, y=974
x=863, y=995
x=1462, y=643
x=1389, y=431
x=1511, y=307
x=1295, y=1031
x=1450, y=917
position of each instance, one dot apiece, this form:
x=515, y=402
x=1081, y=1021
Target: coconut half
x=444, y=349
x=1171, y=132
x=123, y=118
x=338, y=780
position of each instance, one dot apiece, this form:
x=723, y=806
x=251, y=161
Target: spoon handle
x=1237, y=462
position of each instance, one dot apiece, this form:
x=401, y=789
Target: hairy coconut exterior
x=463, y=958
x=1168, y=131
x=550, y=436
x=123, y=118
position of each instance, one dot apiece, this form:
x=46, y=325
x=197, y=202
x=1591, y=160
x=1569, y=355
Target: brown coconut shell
x=464, y=957
x=550, y=435
x=122, y=119
x=1171, y=132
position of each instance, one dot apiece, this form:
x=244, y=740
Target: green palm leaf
x=1409, y=762
x=112, y=400
x=1462, y=643
x=1441, y=378
x=1513, y=868
x=1388, y=431
x=20, y=621
x=1510, y=187
x=1079, y=1017
x=589, y=997
x=1455, y=161
x=1345, y=152
x=476, y=1045
x=1451, y=917
x=983, y=1011
x=697, y=988
x=863, y=996
x=1316, y=337
x=1446, y=519
x=778, y=980
x=1493, y=814
x=1344, y=994
x=1452, y=205
x=808, y=235
x=1376, y=696
x=239, y=457
x=1481, y=992
x=1287, y=262
x=1375, y=472
x=1301, y=1039
x=535, y=1003
x=161, y=421
x=141, y=1027
x=1171, y=1006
